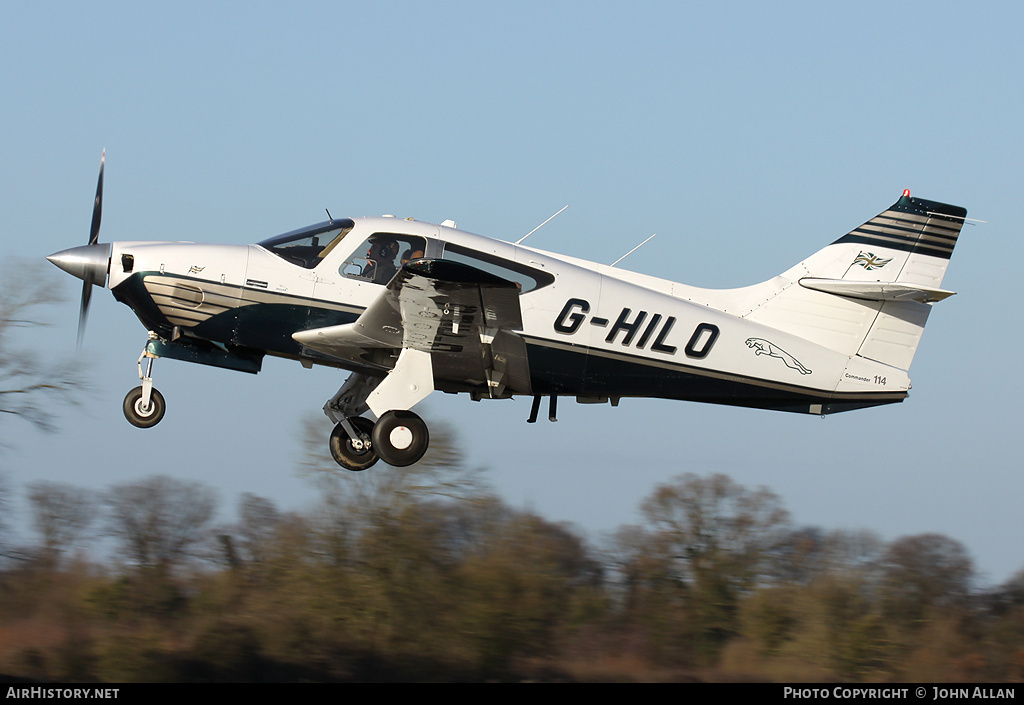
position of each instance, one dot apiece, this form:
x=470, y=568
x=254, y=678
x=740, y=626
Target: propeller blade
x=97, y=208
x=83, y=312
x=94, y=236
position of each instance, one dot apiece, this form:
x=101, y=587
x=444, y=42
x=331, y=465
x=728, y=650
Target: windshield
x=307, y=247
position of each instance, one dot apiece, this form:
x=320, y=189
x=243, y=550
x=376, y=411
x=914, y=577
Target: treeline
x=424, y=575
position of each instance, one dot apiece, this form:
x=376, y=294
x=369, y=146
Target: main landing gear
x=400, y=437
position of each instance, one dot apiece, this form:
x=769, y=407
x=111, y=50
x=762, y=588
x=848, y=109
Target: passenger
x=410, y=255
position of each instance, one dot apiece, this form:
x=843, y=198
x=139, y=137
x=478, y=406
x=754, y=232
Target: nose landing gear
x=144, y=406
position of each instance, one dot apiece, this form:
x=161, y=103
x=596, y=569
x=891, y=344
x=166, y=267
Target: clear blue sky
x=746, y=135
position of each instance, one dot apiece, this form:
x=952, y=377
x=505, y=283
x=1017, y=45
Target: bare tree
x=707, y=545
x=30, y=387
x=925, y=572
x=63, y=515
x=711, y=524
x=442, y=473
x=259, y=517
x=354, y=503
x=809, y=552
x=160, y=522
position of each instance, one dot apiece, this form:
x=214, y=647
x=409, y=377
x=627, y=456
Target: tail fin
x=921, y=233
x=870, y=292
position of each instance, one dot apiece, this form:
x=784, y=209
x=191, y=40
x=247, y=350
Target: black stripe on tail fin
x=913, y=225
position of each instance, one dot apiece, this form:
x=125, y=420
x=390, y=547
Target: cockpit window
x=526, y=278
x=380, y=257
x=308, y=247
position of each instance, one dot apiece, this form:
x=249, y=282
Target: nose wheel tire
x=400, y=438
x=140, y=416
x=346, y=453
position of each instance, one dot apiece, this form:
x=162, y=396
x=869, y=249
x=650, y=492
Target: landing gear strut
x=144, y=406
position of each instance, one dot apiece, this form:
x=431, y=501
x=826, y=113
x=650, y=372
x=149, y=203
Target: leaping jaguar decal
x=765, y=347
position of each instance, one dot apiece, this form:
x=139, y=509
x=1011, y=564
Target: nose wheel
x=142, y=414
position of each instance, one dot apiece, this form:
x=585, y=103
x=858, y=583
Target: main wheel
x=400, y=438
x=345, y=453
x=137, y=414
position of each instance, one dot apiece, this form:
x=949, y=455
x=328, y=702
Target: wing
x=463, y=316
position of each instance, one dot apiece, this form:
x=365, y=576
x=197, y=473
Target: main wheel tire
x=344, y=453
x=143, y=417
x=400, y=438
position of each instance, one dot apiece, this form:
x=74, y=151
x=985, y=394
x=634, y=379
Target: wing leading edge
x=462, y=316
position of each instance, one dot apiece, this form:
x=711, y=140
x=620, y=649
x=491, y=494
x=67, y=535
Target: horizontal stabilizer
x=876, y=291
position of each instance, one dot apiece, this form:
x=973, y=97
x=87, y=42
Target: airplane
x=409, y=308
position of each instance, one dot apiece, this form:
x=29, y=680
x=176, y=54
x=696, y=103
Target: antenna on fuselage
x=329, y=216
x=540, y=226
x=633, y=250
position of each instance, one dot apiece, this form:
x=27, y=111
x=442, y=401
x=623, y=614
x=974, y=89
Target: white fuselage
x=592, y=330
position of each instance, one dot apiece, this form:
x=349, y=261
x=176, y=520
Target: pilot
x=380, y=265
